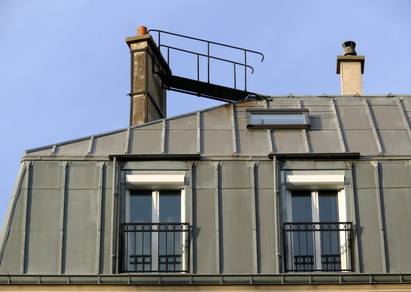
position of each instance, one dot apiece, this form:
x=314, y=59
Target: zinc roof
x=370, y=125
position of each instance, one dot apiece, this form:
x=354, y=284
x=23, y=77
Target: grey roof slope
x=371, y=125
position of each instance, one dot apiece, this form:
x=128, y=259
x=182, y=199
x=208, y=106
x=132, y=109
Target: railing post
x=198, y=67
x=235, y=77
x=245, y=70
x=208, y=62
x=168, y=55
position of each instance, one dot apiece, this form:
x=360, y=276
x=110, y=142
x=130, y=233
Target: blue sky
x=64, y=65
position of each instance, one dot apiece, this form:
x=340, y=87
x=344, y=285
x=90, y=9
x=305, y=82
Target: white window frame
x=157, y=181
x=315, y=181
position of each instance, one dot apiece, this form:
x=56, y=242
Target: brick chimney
x=147, y=96
x=350, y=67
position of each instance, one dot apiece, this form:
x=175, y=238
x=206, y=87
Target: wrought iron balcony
x=155, y=247
x=317, y=246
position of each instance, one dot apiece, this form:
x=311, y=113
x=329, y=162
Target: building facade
x=262, y=193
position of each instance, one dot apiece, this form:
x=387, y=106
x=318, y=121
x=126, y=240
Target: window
x=278, y=119
x=316, y=234
x=155, y=236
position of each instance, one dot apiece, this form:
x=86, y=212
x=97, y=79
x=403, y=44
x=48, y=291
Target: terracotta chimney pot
x=141, y=30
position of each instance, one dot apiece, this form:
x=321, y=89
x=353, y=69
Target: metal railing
x=315, y=246
x=155, y=247
x=208, y=55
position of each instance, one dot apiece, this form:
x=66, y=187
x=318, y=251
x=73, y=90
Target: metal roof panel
x=362, y=141
x=288, y=141
x=326, y=141
x=395, y=142
x=109, y=144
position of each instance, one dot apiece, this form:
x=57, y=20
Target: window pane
x=170, y=242
x=170, y=206
x=330, y=243
x=140, y=206
x=301, y=206
x=303, y=252
x=139, y=243
x=328, y=206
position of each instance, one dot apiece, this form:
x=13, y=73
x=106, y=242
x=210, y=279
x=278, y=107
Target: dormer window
x=155, y=236
x=316, y=234
x=278, y=119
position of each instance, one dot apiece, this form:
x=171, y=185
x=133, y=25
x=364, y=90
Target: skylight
x=278, y=119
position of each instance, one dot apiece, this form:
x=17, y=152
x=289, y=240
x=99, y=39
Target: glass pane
x=140, y=206
x=277, y=119
x=170, y=206
x=302, y=237
x=139, y=243
x=330, y=243
x=328, y=202
x=301, y=206
x=170, y=241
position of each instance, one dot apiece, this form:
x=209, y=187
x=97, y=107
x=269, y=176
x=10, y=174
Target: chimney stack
x=147, y=96
x=350, y=67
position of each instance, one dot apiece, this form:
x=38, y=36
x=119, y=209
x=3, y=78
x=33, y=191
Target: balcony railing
x=315, y=246
x=155, y=247
x=203, y=68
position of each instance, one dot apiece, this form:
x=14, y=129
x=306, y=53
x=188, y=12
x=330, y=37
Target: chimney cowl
x=349, y=48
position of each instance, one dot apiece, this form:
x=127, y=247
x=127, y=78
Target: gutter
x=207, y=279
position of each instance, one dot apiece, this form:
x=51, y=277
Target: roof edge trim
x=325, y=156
x=143, y=157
